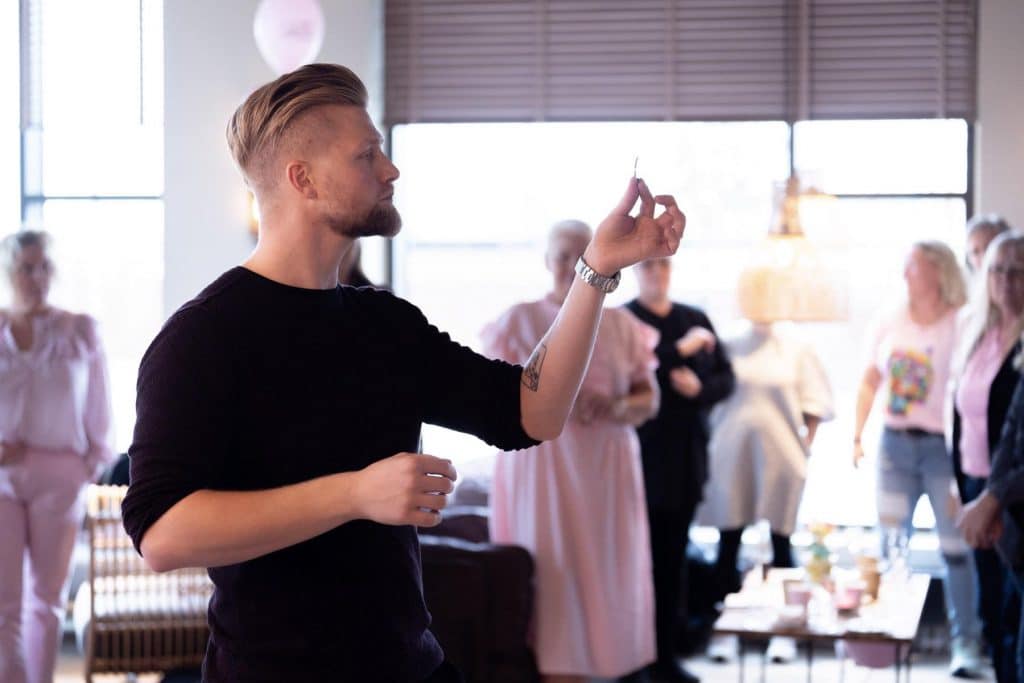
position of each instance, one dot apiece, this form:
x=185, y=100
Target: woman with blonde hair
x=987, y=377
x=54, y=440
x=910, y=352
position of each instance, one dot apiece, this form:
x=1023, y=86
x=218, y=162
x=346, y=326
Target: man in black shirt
x=279, y=413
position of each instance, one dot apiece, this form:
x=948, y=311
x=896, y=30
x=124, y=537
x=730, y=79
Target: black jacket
x=1006, y=482
x=674, y=442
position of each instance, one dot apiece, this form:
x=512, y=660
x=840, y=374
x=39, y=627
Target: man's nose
x=390, y=171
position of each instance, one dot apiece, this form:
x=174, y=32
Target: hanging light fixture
x=787, y=279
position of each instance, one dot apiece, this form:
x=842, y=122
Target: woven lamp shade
x=786, y=278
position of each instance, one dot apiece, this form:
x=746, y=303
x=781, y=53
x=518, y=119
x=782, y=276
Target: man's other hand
x=407, y=488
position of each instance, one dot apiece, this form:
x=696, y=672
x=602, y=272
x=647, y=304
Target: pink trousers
x=41, y=506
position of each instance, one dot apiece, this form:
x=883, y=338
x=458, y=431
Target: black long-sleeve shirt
x=255, y=385
x=674, y=443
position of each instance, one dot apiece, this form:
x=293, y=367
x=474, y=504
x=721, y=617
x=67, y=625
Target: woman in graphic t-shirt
x=910, y=353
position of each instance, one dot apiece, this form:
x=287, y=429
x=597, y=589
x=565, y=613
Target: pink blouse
x=55, y=396
x=972, y=403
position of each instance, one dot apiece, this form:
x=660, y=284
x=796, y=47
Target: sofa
x=480, y=596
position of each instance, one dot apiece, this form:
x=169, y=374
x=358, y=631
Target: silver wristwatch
x=595, y=279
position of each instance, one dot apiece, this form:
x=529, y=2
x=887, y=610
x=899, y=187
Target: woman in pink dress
x=577, y=502
x=54, y=439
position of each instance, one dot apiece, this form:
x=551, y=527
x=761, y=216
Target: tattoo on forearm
x=531, y=373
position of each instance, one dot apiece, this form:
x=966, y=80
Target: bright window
x=92, y=164
x=477, y=200
x=10, y=112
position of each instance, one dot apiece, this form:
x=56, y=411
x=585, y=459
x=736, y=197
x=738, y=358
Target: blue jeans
x=910, y=465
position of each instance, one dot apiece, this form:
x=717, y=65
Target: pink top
x=915, y=362
x=972, y=403
x=55, y=396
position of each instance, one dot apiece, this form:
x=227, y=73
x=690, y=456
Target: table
x=892, y=619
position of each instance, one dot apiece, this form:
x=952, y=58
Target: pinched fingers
x=672, y=216
x=625, y=204
x=647, y=201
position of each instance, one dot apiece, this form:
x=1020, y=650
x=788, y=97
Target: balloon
x=288, y=33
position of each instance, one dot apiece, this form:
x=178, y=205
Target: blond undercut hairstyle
x=257, y=127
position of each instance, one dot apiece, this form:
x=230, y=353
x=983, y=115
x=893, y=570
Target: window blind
x=551, y=60
x=903, y=58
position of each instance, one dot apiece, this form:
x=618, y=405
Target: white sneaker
x=781, y=650
x=965, y=658
x=724, y=649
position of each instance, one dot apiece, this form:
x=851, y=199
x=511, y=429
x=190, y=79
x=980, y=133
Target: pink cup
x=848, y=596
x=797, y=592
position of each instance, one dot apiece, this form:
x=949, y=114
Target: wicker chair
x=138, y=620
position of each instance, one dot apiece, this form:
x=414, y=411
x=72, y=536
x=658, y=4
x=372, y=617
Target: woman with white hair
x=54, y=440
x=910, y=353
x=577, y=502
x=987, y=377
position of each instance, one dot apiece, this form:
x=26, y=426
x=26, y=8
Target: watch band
x=602, y=282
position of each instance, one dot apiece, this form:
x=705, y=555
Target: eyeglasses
x=1013, y=272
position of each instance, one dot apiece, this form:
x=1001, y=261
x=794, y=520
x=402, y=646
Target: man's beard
x=384, y=221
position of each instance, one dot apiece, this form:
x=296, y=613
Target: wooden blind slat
x=491, y=60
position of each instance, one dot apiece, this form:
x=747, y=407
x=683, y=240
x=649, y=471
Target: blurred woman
x=577, y=502
x=981, y=230
x=54, y=439
x=760, y=443
x=988, y=345
x=910, y=352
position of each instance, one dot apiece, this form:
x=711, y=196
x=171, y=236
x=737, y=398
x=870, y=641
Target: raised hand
x=407, y=488
x=622, y=240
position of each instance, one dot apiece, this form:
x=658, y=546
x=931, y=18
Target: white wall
x=212, y=64
x=1000, y=143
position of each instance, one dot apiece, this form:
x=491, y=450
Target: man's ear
x=300, y=179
